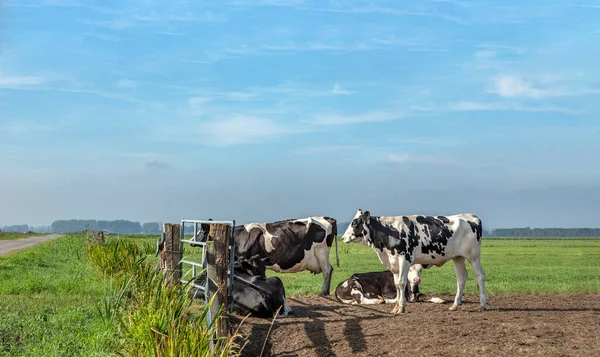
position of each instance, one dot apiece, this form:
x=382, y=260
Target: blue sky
x=269, y=109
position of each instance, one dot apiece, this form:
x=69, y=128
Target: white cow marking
x=318, y=220
x=268, y=236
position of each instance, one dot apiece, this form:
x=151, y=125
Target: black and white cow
x=401, y=241
x=256, y=294
x=253, y=293
x=287, y=246
x=291, y=246
x=379, y=287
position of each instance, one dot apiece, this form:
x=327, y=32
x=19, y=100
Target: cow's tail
x=335, y=239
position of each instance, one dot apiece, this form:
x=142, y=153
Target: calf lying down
x=379, y=288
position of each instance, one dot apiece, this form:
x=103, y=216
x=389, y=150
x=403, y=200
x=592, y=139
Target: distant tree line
x=524, y=232
x=79, y=225
x=17, y=228
x=118, y=226
x=129, y=227
x=545, y=232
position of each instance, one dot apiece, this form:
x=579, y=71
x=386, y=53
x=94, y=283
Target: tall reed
x=150, y=316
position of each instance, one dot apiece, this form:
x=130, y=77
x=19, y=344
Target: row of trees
x=78, y=225
x=524, y=232
x=129, y=227
x=545, y=232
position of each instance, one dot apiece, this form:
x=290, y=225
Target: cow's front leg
x=400, y=280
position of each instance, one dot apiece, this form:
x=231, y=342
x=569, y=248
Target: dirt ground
x=555, y=325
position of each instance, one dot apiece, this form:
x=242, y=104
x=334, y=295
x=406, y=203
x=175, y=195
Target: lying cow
x=379, y=287
x=401, y=241
x=253, y=293
x=256, y=294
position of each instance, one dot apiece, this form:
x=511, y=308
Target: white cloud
x=337, y=89
x=291, y=3
x=155, y=17
x=501, y=106
x=169, y=21
x=285, y=89
x=20, y=82
x=371, y=117
x=57, y=84
x=515, y=87
x=22, y=127
x=244, y=130
x=392, y=11
x=197, y=102
x=127, y=83
x=56, y=3
x=544, y=86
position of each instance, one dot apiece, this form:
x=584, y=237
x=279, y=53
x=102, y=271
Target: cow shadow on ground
x=313, y=320
x=546, y=309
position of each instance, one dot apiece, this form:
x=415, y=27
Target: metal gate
x=203, y=264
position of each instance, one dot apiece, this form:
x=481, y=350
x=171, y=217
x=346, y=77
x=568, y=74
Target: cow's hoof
x=453, y=308
x=323, y=293
x=398, y=310
x=482, y=308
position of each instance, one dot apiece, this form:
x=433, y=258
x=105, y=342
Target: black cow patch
x=287, y=255
x=385, y=236
x=397, y=242
x=438, y=233
x=444, y=220
x=476, y=228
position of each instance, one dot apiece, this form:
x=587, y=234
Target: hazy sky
x=259, y=110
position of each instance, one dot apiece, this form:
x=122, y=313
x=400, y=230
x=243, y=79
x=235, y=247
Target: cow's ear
x=366, y=215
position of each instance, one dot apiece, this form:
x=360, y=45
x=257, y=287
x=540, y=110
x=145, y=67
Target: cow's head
x=358, y=231
x=253, y=266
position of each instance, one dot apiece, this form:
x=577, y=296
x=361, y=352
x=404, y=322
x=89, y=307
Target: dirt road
x=7, y=246
x=528, y=325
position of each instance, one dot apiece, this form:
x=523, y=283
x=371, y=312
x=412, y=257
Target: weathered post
x=218, y=264
x=170, y=254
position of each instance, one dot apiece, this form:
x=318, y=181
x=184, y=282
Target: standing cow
x=291, y=246
x=401, y=241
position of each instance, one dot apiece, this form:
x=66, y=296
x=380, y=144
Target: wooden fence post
x=171, y=252
x=218, y=265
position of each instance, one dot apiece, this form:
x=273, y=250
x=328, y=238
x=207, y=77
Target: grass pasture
x=47, y=306
x=529, y=266
x=15, y=235
x=512, y=266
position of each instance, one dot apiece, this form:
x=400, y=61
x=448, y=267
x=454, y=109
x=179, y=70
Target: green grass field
x=13, y=235
x=512, y=266
x=541, y=266
x=47, y=306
